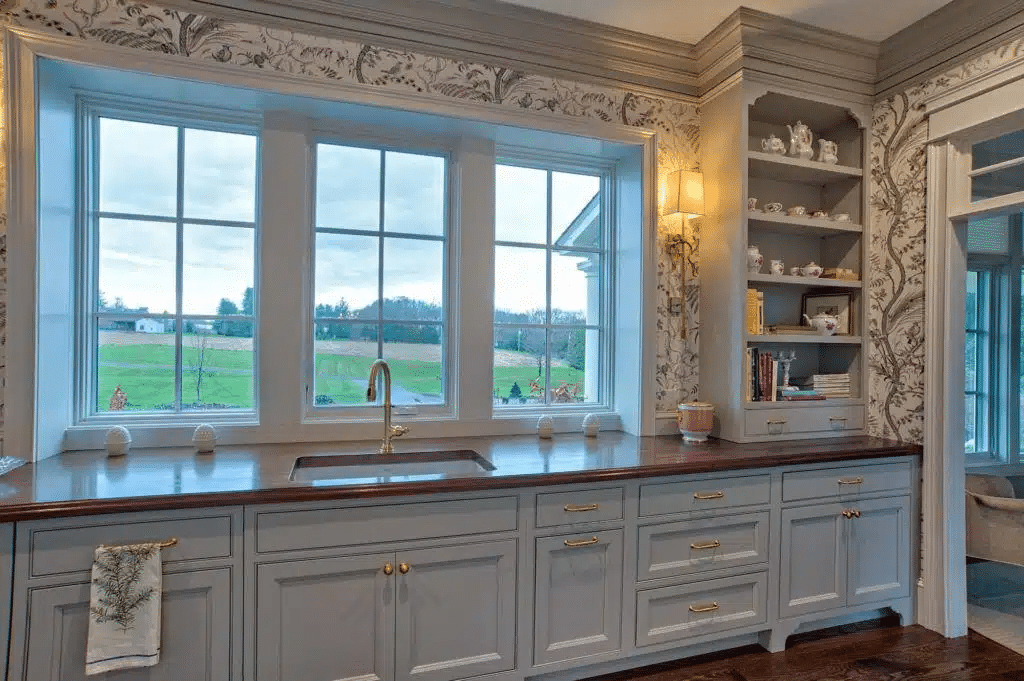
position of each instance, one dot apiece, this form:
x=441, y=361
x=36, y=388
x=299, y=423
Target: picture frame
x=838, y=304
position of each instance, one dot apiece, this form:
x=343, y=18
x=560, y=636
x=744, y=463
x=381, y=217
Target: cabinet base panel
x=774, y=641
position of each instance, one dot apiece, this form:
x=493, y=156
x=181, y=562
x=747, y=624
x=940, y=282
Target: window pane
x=347, y=187
x=343, y=355
x=970, y=425
x=413, y=279
x=971, y=369
x=138, y=168
x=569, y=353
x=138, y=356
x=1004, y=148
x=997, y=183
x=346, y=270
x=137, y=266
x=989, y=235
x=972, y=301
x=414, y=354
x=575, y=210
x=519, y=365
x=520, y=284
x=414, y=190
x=217, y=364
x=575, y=288
x=521, y=208
x=220, y=175
x=219, y=263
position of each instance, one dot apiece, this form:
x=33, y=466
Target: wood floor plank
x=878, y=651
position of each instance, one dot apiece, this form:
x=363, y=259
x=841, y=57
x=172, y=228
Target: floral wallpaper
x=896, y=285
x=141, y=26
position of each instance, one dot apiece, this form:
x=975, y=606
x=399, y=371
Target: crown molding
x=483, y=31
x=790, y=51
x=949, y=36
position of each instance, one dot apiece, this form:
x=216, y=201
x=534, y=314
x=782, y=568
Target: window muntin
x=169, y=294
x=551, y=261
x=379, y=282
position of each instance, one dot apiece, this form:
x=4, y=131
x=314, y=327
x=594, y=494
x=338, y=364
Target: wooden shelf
x=790, y=280
x=827, y=402
x=789, y=169
x=806, y=339
x=790, y=224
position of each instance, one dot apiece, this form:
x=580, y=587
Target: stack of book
x=762, y=373
x=830, y=385
x=755, y=312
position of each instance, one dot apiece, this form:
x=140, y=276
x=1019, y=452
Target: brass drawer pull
x=704, y=546
x=776, y=422
x=579, y=508
x=704, y=496
x=704, y=608
x=838, y=418
x=851, y=481
x=573, y=543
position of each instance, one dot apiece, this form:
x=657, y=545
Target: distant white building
x=149, y=326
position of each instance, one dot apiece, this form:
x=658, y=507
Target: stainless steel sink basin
x=404, y=467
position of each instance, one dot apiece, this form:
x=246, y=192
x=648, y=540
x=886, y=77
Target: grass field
x=143, y=365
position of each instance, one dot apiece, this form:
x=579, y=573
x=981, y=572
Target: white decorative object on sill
x=119, y=441
x=591, y=425
x=204, y=438
x=545, y=427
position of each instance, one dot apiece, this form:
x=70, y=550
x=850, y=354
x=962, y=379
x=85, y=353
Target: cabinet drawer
x=850, y=480
x=672, y=613
x=579, y=506
x=816, y=419
x=704, y=495
x=57, y=551
x=330, y=527
x=691, y=546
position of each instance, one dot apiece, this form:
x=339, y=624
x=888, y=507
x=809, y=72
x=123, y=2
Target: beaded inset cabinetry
x=736, y=168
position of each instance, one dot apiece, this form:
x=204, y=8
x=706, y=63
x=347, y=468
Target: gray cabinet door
x=814, y=559
x=456, y=611
x=879, y=545
x=328, y=619
x=6, y=570
x=196, y=631
x=578, y=596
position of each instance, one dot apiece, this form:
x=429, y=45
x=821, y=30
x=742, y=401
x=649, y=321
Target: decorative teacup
x=796, y=270
x=754, y=260
x=796, y=210
x=841, y=217
x=811, y=270
x=820, y=214
x=773, y=145
x=774, y=207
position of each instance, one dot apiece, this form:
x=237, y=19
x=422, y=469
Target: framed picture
x=838, y=304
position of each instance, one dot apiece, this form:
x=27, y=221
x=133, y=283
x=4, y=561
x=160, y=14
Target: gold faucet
x=390, y=431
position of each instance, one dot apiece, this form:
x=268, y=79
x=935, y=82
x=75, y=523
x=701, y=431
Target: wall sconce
x=684, y=194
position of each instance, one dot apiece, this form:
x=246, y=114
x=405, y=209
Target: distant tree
x=201, y=344
x=225, y=327
x=516, y=392
x=245, y=328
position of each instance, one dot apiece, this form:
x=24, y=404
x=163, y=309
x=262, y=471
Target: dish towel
x=124, y=608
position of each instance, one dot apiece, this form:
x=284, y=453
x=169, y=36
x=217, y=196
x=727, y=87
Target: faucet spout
x=371, y=396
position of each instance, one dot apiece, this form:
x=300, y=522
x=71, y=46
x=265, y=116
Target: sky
x=138, y=175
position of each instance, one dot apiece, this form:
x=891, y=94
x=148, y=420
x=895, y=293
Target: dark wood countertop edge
x=300, y=493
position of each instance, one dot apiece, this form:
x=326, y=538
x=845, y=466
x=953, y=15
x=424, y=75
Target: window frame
x=338, y=133
x=90, y=107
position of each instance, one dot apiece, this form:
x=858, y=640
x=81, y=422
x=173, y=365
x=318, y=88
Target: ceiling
x=690, y=20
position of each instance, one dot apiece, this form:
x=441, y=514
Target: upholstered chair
x=995, y=520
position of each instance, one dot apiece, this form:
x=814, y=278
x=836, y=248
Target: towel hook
x=165, y=544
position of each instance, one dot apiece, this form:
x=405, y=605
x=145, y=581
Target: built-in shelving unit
x=735, y=123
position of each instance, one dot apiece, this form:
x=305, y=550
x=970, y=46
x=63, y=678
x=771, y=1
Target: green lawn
x=147, y=377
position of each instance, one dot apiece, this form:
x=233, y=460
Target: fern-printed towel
x=124, y=608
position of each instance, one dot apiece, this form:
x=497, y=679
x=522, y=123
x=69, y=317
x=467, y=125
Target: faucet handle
x=399, y=431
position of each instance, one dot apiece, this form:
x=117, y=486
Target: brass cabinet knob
x=403, y=568
x=856, y=514
x=389, y=569
x=847, y=514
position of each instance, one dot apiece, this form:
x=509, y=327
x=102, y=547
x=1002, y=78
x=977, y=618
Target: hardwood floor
x=877, y=651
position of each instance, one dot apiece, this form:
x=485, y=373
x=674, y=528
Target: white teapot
x=828, y=152
x=800, y=140
x=826, y=324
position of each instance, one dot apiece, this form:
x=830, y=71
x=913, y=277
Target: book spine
x=755, y=388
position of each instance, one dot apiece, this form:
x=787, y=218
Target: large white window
x=168, y=264
x=550, y=291
x=241, y=257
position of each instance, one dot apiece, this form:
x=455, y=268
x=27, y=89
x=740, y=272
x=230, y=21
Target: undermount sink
x=404, y=467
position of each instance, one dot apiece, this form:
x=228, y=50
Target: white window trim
x=282, y=415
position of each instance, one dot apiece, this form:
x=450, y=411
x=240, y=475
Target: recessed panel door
x=879, y=541
x=814, y=559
